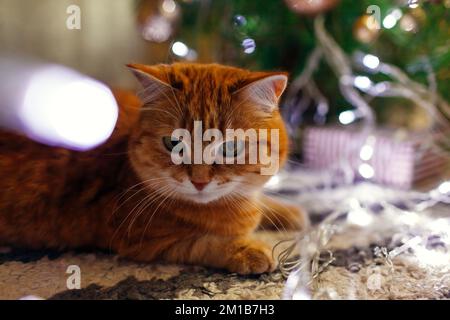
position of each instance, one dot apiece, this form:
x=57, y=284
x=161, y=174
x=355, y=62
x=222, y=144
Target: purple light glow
x=62, y=107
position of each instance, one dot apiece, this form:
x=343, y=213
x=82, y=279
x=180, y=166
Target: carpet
x=358, y=270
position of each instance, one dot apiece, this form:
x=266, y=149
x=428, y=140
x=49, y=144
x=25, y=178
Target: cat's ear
x=152, y=81
x=264, y=90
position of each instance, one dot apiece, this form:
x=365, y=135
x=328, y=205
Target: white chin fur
x=210, y=193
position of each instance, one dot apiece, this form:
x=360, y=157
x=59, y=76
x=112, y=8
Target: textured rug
x=103, y=276
x=358, y=270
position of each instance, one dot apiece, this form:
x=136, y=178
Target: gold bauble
x=366, y=29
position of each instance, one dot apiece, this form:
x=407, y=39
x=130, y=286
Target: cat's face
x=217, y=97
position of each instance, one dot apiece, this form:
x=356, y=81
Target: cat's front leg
x=242, y=255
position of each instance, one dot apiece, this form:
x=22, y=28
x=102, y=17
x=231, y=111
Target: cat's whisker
x=256, y=208
x=120, y=225
x=170, y=193
x=148, y=203
x=260, y=203
x=142, y=182
x=130, y=213
x=134, y=194
x=162, y=111
x=274, y=215
x=241, y=210
x=140, y=207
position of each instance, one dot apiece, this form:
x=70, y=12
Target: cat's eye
x=170, y=143
x=230, y=149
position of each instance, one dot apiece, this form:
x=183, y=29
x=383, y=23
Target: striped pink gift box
x=396, y=160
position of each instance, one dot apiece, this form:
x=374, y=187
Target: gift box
x=394, y=158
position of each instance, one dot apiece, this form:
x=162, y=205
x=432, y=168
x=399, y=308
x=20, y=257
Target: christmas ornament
x=408, y=23
x=156, y=19
x=419, y=14
x=366, y=29
x=390, y=158
x=311, y=7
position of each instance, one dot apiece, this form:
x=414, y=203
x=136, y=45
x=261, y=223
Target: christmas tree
x=279, y=35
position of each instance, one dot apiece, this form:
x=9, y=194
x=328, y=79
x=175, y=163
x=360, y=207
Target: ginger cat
x=127, y=195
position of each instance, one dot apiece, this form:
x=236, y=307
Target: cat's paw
x=253, y=258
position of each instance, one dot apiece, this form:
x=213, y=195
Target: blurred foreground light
x=57, y=106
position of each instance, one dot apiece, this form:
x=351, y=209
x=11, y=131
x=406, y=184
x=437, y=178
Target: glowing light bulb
x=180, y=49
x=362, y=82
x=391, y=19
x=366, y=171
x=366, y=152
x=347, y=117
x=371, y=61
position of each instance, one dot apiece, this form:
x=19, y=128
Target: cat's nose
x=199, y=185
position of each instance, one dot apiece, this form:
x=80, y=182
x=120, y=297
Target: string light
x=304, y=270
x=366, y=171
x=180, y=49
x=444, y=187
x=371, y=61
x=392, y=18
x=362, y=82
x=366, y=152
x=413, y=4
x=349, y=116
